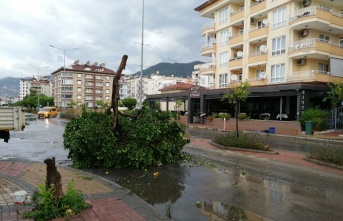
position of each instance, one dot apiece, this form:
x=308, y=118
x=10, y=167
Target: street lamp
x=141, y=74
x=64, y=70
x=38, y=80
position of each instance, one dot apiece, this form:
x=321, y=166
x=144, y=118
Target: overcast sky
x=103, y=30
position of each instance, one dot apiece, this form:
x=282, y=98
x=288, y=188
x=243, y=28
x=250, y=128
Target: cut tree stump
x=53, y=177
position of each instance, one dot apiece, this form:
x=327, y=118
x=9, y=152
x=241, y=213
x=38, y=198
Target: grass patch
x=252, y=141
x=327, y=153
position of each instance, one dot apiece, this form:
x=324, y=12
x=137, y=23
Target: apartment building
x=151, y=85
x=84, y=83
x=41, y=85
x=288, y=50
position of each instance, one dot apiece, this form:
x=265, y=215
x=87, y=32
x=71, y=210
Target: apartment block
x=39, y=84
x=84, y=83
x=288, y=51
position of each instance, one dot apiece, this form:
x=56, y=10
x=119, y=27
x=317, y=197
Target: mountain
x=9, y=87
x=168, y=69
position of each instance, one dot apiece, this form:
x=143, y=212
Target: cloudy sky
x=102, y=30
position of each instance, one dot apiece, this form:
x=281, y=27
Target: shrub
x=224, y=115
x=215, y=115
x=46, y=207
x=329, y=153
x=242, y=116
x=210, y=118
x=138, y=143
x=316, y=115
x=245, y=140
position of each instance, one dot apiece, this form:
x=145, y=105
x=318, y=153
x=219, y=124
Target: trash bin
x=309, y=127
x=272, y=130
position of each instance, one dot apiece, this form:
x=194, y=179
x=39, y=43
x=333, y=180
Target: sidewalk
x=109, y=201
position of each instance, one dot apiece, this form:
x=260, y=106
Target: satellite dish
x=240, y=54
x=263, y=48
x=265, y=21
x=229, y=34
x=233, y=77
x=230, y=10
x=263, y=75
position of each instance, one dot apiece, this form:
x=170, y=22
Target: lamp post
x=141, y=74
x=64, y=70
x=38, y=80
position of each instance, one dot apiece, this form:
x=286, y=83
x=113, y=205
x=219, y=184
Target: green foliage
x=328, y=153
x=316, y=115
x=226, y=115
x=215, y=115
x=242, y=116
x=130, y=103
x=138, y=143
x=335, y=94
x=244, y=140
x=46, y=207
x=31, y=100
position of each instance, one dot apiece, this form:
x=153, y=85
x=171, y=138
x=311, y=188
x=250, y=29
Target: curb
x=324, y=163
x=242, y=149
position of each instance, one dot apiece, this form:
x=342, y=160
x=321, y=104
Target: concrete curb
x=242, y=149
x=324, y=163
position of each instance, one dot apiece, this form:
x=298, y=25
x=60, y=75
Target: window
x=223, y=80
x=79, y=75
x=324, y=38
x=88, y=98
x=323, y=68
x=79, y=97
x=89, y=104
x=279, y=45
x=67, y=81
x=79, y=82
x=107, y=77
x=279, y=18
x=98, y=91
x=107, y=98
x=223, y=16
x=107, y=84
x=79, y=89
x=224, y=59
x=89, y=90
x=107, y=91
x=224, y=37
x=89, y=76
x=97, y=77
x=341, y=41
x=258, y=73
x=278, y=73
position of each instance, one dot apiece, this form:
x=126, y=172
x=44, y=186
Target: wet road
x=245, y=189
x=40, y=140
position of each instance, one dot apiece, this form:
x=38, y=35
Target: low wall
x=281, y=127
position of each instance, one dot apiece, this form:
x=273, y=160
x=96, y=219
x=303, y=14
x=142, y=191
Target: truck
x=11, y=118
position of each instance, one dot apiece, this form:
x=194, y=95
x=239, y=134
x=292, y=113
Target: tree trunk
x=53, y=177
x=115, y=91
x=236, y=116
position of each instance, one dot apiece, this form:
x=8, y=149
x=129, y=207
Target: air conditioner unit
x=304, y=33
x=301, y=61
x=306, y=3
x=252, y=21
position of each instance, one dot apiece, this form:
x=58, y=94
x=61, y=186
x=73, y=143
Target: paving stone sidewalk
x=109, y=201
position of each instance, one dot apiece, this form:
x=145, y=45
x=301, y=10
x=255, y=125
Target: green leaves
x=139, y=143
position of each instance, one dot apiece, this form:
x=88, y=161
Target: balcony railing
x=207, y=25
x=307, y=43
x=305, y=75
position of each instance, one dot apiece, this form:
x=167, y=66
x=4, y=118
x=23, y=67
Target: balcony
x=207, y=69
x=236, y=39
x=311, y=75
x=235, y=62
x=257, y=6
x=208, y=28
x=257, y=58
x=207, y=50
x=317, y=17
x=258, y=32
x=237, y=15
x=314, y=46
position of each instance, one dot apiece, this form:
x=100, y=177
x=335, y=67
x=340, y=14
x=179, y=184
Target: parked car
x=47, y=112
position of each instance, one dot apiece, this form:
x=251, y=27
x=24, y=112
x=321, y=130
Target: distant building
x=83, y=84
x=39, y=84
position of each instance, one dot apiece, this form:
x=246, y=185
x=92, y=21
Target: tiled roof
x=204, y=5
x=177, y=87
x=86, y=68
